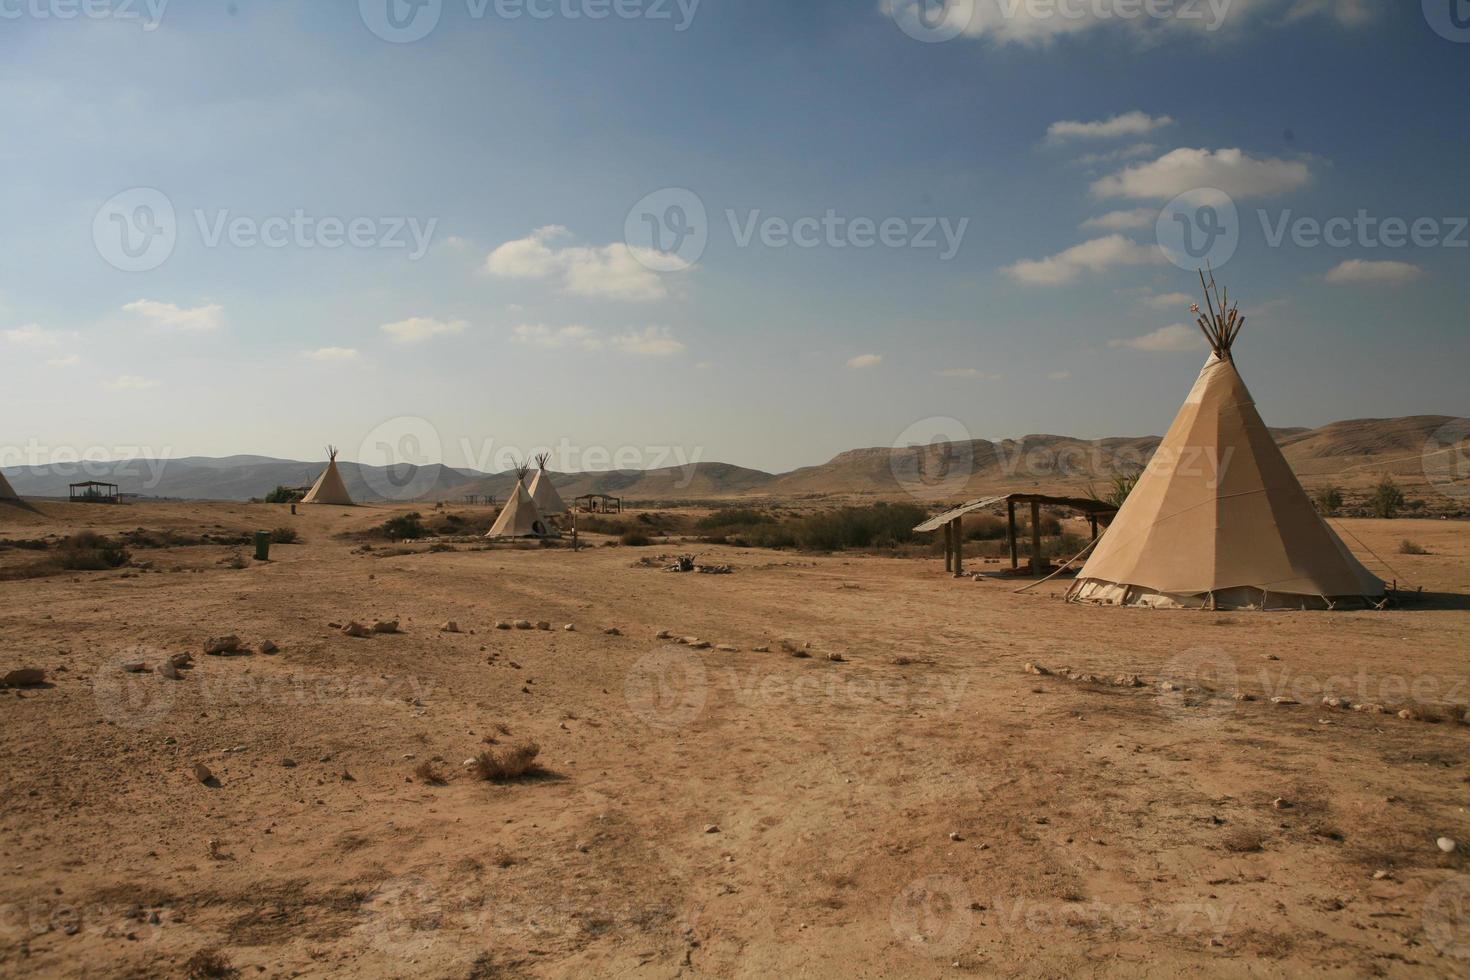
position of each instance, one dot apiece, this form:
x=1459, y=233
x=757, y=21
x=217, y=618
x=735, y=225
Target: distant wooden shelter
x=94, y=492
x=477, y=499
x=952, y=523
x=599, y=503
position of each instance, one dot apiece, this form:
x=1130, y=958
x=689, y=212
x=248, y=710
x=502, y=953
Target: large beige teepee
x=1218, y=519
x=6, y=491
x=520, y=518
x=548, y=501
x=329, y=488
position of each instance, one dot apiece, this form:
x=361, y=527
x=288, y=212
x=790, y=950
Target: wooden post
x=1036, y=538
x=959, y=547
x=1011, y=534
x=574, y=530
x=1093, y=519
x=948, y=548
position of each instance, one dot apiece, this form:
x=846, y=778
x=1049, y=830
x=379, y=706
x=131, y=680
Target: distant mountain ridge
x=1349, y=451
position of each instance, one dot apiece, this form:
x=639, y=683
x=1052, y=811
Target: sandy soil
x=924, y=807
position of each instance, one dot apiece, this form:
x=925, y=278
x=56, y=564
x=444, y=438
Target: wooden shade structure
x=952, y=523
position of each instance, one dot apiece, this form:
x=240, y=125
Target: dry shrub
x=427, y=773
x=1407, y=547
x=209, y=964
x=502, y=763
x=1244, y=842
x=502, y=858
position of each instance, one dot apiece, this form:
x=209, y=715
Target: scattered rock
x=664, y=635
x=1242, y=696
x=168, y=671
x=24, y=677
x=570, y=628
x=836, y=658
x=522, y=624
x=801, y=654
x=1127, y=680
x=268, y=648
x=288, y=763
x=1168, y=686
x=1371, y=708
x=386, y=626
x=544, y=626
x=449, y=627
x=1284, y=700
x=221, y=646
x=612, y=631
x=955, y=836
x=1281, y=803
x=1381, y=875
x=136, y=667
x=694, y=644
x=1446, y=844
x=183, y=661
x=1037, y=669
x=357, y=629
x=501, y=624
x=727, y=648
x=1340, y=704
x=761, y=649
x=202, y=773
x=714, y=828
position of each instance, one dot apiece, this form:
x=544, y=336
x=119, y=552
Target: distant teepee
x=548, y=501
x=1218, y=520
x=329, y=488
x=520, y=518
x=6, y=491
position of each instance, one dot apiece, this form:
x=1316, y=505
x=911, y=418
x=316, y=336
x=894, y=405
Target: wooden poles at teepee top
x=1223, y=323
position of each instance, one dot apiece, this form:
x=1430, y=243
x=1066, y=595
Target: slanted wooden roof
x=1085, y=504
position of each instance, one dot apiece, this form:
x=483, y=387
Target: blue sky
x=515, y=148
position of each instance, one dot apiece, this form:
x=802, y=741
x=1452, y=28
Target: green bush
x=90, y=552
x=1387, y=499
x=1329, y=501
x=284, y=535
x=881, y=526
x=405, y=526
x=280, y=495
x=734, y=517
x=635, y=539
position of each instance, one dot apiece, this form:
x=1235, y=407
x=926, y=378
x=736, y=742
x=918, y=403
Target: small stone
x=501, y=624
x=268, y=648
x=523, y=624
x=583, y=847
x=712, y=829
x=544, y=626
x=612, y=631
x=761, y=649
x=570, y=628
x=182, y=660
x=1371, y=708
x=202, y=773
x=1284, y=700
x=1381, y=875
x=288, y=763
x=1281, y=804
x=386, y=626
x=1037, y=669
x=221, y=646
x=137, y=667
x=168, y=671
x=955, y=836
x=836, y=658
x=1446, y=844
x=664, y=635
x=1336, y=703
x=356, y=629
x=449, y=627
x=1127, y=680
x=1242, y=696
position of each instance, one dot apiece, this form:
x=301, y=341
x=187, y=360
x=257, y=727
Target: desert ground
x=889, y=792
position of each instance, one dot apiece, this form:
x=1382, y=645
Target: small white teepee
x=548, y=501
x=329, y=488
x=520, y=518
x=1218, y=520
x=6, y=491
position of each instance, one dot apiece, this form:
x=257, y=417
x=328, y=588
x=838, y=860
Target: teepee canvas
x=548, y=501
x=6, y=491
x=520, y=517
x=329, y=488
x=1218, y=520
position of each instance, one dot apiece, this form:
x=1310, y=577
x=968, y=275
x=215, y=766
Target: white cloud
x=1378, y=273
x=863, y=361
x=70, y=360
x=648, y=342
x=1122, y=153
x=131, y=382
x=416, y=330
x=35, y=336
x=1133, y=123
x=167, y=316
x=651, y=342
x=1177, y=337
x=1230, y=170
x=1037, y=24
x=1169, y=301
x=972, y=374
x=1059, y=376
x=1113, y=251
x=331, y=354
x=613, y=271
x=1123, y=220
